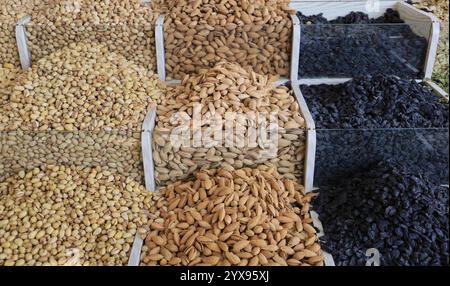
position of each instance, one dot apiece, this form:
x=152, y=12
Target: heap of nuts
x=80, y=87
x=124, y=26
x=200, y=33
x=220, y=91
x=10, y=12
x=82, y=106
x=57, y=215
x=8, y=73
x=115, y=151
x=224, y=217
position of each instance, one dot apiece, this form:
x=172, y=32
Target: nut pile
x=117, y=152
x=57, y=215
x=8, y=74
x=124, y=26
x=355, y=44
x=227, y=88
x=10, y=12
x=82, y=106
x=80, y=87
x=201, y=33
x=242, y=217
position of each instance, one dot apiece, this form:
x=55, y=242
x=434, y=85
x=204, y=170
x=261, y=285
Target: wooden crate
x=422, y=23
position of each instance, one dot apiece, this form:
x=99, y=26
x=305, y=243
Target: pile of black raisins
x=402, y=215
x=379, y=101
x=348, y=47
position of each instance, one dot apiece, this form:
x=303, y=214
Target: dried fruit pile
x=201, y=33
x=58, y=215
x=10, y=12
x=233, y=217
x=83, y=106
x=124, y=26
x=355, y=45
x=402, y=215
x=379, y=101
x=223, y=89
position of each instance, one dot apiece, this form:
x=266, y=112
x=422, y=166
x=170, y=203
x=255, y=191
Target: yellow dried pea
x=248, y=217
x=56, y=215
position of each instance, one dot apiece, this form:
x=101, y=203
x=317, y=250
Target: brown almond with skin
x=232, y=258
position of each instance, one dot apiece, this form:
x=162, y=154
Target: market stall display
x=294, y=133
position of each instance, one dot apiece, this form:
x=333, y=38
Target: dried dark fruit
x=364, y=211
x=379, y=101
x=401, y=214
x=340, y=151
x=354, y=44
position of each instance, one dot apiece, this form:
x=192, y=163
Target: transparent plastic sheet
x=116, y=151
x=344, y=51
x=340, y=153
x=266, y=48
x=135, y=43
x=174, y=164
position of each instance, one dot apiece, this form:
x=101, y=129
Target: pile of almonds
x=10, y=12
x=57, y=215
x=240, y=217
x=227, y=88
x=83, y=86
x=124, y=26
x=199, y=34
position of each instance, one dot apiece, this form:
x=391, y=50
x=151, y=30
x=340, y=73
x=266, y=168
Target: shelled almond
x=222, y=90
x=244, y=217
x=56, y=215
x=201, y=33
